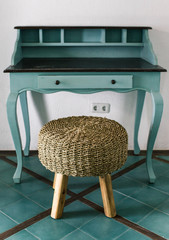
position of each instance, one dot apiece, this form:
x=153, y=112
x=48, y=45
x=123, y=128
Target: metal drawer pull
x=57, y=82
x=113, y=81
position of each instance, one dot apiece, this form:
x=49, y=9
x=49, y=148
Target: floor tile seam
x=80, y=231
x=128, y=222
x=85, y=222
x=44, y=208
x=28, y=220
x=68, y=234
x=141, y=202
x=128, y=169
x=122, y=234
x=40, y=179
x=127, y=196
x=97, y=215
x=149, y=213
x=96, y=186
x=138, y=228
x=24, y=168
x=89, y=221
x=161, y=159
x=158, y=210
x=159, y=190
x=8, y=217
x=91, y=201
x=28, y=223
x=9, y=204
x=150, y=185
x=31, y=233
x=81, y=193
x=25, y=196
x=101, y=214
x=35, y=178
x=29, y=172
x=161, y=204
x=88, y=234
x=134, y=180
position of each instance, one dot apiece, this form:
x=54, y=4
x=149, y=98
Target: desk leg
x=13, y=123
x=139, y=108
x=24, y=106
x=156, y=119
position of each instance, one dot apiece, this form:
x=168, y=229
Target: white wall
x=85, y=12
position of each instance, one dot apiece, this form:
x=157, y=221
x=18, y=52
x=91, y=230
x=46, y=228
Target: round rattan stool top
x=83, y=146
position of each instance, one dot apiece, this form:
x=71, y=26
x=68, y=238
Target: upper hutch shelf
x=83, y=46
x=82, y=36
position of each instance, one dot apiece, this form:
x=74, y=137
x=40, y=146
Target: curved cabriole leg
x=157, y=114
x=13, y=123
x=107, y=196
x=139, y=109
x=24, y=106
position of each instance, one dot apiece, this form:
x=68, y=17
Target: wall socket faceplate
x=100, y=107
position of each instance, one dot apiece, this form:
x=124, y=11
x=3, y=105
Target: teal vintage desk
x=83, y=60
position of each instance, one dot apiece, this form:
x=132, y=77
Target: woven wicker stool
x=82, y=146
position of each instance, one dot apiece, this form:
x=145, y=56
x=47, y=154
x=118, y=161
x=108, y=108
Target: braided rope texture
x=83, y=146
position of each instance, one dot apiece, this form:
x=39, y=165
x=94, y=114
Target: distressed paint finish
x=80, y=42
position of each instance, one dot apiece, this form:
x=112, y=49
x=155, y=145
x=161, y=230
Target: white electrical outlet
x=100, y=107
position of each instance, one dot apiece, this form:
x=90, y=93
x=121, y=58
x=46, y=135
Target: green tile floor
x=143, y=207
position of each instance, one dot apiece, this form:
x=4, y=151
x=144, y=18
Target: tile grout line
x=29, y=222
x=116, y=238
x=127, y=196
x=31, y=234
x=24, y=224
x=8, y=217
x=74, y=196
x=81, y=194
x=161, y=160
x=148, y=185
x=68, y=234
x=87, y=234
x=128, y=223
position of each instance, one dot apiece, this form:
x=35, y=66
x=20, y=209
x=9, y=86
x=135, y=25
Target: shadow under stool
x=82, y=146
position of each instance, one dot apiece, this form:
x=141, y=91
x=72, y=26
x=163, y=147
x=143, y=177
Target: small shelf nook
x=134, y=36
x=83, y=36
x=114, y=35
x=51, y=35
x=30, y=35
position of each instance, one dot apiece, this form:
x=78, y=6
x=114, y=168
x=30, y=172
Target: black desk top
x=84, y=65
x=89, y=27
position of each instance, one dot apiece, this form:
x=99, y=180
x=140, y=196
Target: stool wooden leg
x=107, y=196
x=59, y=196
x=54, y=180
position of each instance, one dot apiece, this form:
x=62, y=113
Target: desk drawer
x=87, y=81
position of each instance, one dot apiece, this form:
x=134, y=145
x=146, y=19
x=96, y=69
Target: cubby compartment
x=113, y=35
x=134, y=36
x=30, y=35
x=82, y=35
x=51, y=35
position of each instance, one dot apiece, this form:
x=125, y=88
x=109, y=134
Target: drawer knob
x=57, y=82
x=113, y=81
